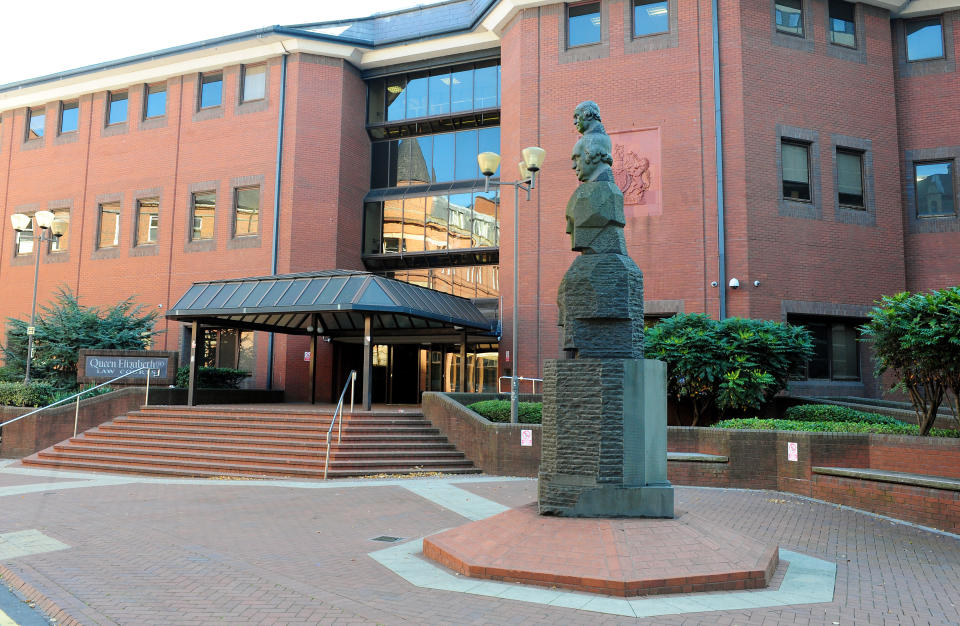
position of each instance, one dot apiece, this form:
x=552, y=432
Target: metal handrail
x=76, y=415
x=338, y=418
x=534, y=382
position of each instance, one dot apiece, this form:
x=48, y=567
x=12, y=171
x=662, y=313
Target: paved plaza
x=117, y=549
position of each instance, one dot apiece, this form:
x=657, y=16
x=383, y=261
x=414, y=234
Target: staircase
x=274, y=441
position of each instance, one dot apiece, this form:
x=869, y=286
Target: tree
x=917, y=337
x=64, y=327
x=734, y=365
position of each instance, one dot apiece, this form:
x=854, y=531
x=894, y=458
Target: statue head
x=591, y=157
x=586, y=117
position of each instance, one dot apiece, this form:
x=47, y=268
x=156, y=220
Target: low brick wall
x=46, y=428
x=493, y=447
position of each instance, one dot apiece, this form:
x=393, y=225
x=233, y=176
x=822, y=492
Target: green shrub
x=37, y=393
x=212, y=377
x=831, y=427
x=66, y=393
x=499, y=411
x=834, y=413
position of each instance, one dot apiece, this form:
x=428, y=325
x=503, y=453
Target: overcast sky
x=41, y=38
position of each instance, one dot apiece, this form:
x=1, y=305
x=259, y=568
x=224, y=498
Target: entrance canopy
x=333, y=303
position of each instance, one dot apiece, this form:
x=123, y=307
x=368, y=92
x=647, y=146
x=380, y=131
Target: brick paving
x=220, y=552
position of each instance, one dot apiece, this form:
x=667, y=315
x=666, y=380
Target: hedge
x=499, y=411
x=36, y=393
x=835, y=413
x=212, y=378
x=831, y=427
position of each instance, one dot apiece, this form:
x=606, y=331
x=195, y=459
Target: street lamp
x=45, y=220
x=532, y=161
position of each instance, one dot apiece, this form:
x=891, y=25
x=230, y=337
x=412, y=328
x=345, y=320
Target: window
x=247, y=211
x=843, y=30
x=36, y=121
x=850, y=178
x=227, y=347
x=69, y=117
x=117, y=107
x=204, y=209
x=789, y=16
x=61, y=243
x=924, y=39
x=155, y=101
x=211, y=90
x=24, y=240
x=835, y=349
x=935, y=191
x=583, y=24
x=650, y=17
x=254, y=82
x=440, y=158
x=148, y=221
x=795, y=160
x=108, y=235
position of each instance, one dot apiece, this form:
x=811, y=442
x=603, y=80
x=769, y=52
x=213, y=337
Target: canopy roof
x=339, y=299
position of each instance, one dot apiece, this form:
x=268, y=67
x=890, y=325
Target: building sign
x=526, y=437
x=97, y=366
x=636, y=170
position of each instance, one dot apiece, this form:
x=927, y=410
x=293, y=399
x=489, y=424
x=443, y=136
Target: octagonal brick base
x=622, y=557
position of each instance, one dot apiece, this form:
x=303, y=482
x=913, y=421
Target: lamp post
x=532, y=161
x=45, y=220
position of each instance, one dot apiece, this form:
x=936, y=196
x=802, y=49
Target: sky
x=58, y=35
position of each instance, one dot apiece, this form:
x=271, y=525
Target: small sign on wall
x=526, y=437
x=306, y=357
x=791, y=451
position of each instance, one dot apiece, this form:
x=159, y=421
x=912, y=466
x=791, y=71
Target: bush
x=834, y=413
x=212, y=378
x=831, y=427
x=66, y=393
x=19, y=394
x=917, y=337
x=499, y=411
x=731, y=366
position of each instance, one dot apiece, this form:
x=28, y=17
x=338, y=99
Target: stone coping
x=886, y=476
x=697, y=457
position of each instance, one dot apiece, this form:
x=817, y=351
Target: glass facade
x=439, y=158
x=468, y=281
x=442, y=91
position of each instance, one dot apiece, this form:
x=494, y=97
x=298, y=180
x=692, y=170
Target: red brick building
x=352, y=145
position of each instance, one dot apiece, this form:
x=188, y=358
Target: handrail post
x=146, y=399
x=353, y=379
x=76, y=416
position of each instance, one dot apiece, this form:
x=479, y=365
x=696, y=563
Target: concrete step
x=227, y=444
x=272, y=431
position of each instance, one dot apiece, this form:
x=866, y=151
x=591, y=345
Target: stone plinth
x=604, y=439
x=623, y=557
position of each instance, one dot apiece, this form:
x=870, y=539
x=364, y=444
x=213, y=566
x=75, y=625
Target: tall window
x=246, y=211
x=835, y=348
x=850, y=178
x=24, y=240
x=117, y=107
x=935, y=190
x=69, y=116
x=789, y=16
x=254, y=82
x=795, y=160
x=440, y=158
x=843, y=30
x=108, y=235
x=583, y=24
x=650, y=17
x=155, y=101
x=211, y=90
x=924, y=39
x=61, y=243
x=204, y=210
x=36, y=121
x=227, y=347
x=148, y=221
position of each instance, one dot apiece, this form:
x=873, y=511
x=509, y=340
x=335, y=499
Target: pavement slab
x=167, y=551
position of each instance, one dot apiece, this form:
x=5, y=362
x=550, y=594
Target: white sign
x=306, y=357
x=526, y=437
x=791, y=451
x=31, y=330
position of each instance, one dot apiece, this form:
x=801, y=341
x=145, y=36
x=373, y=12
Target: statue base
x=604, y=439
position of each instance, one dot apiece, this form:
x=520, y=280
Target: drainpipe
x=718, y=137
x=276, y=200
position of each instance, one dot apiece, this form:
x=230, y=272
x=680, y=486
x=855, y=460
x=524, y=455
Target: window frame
x=575, y=5
x=633, y=19
x=111, y=98
x=116, y=231
x=200, y=83
x=906, y=40
x=244, y=70
x=803, y=16
x=916, y=191
x=63, y=107
x=18, y=239
x=54, y=247
x=192, y=225
x=806, y=147
x=236, y=212
x=139, y=202
x=830, y=322
x=831, y=31
x=33, y=112
x=861, y=155
x=146, y=100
